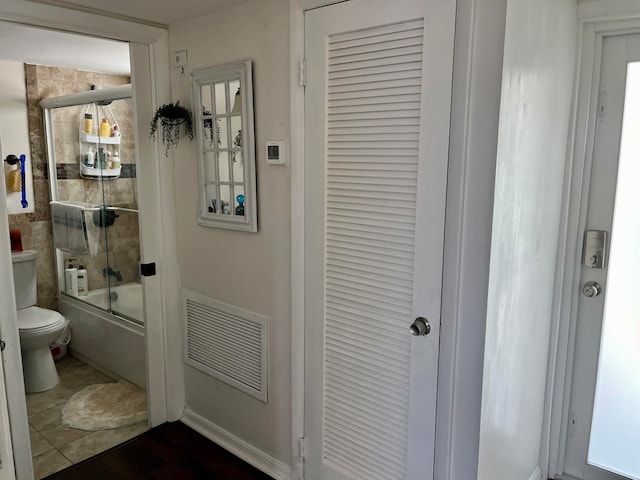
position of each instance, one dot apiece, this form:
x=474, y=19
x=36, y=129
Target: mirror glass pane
x=212, y=199
x=221, y=98
x=207, y=103
x=236, y=132
x=239, y=200
x=208, y=127
x=238, y=167
x=223, y=139
x=223, y=165
x=210, y=166
x=234, y=95
x=225, y=197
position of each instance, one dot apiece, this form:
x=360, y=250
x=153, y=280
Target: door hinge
x=303, y=72
x=3, y=345
x=602, y=103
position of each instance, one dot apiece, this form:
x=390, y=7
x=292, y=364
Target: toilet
x=38, y=327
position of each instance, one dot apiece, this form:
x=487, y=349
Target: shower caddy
x=89, y=140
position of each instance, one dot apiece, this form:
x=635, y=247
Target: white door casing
x=598, y=209
x=377, y=105
x=7, y=469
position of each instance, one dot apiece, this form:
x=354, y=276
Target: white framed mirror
x=223, y=113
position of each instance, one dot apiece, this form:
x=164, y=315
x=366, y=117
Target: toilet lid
x=36, y=317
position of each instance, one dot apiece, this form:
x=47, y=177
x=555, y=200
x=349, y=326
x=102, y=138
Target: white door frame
x=151, y=76
x=592, y=32
x=17, y=431
x=472, y=157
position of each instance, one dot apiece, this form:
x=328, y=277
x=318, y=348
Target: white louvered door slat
x=376, y=143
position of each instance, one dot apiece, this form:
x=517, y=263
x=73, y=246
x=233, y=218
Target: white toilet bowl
x=38, y=329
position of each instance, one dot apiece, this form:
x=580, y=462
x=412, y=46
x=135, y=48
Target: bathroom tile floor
x=55, y=447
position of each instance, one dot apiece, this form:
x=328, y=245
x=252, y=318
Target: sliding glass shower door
x=94, y=203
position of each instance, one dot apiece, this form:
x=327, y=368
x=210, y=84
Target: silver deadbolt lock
x=591, y=289
x=420, y=327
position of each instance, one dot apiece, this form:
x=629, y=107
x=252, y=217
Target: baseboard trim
x=536, y=475
x=250, y=454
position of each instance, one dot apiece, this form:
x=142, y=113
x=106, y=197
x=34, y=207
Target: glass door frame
x=76, y=99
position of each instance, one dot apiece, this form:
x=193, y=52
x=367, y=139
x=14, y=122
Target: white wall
x=534, y=117
x=14, y=129
x=249, y=270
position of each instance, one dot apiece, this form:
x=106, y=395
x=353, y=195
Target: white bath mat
x=105, y=406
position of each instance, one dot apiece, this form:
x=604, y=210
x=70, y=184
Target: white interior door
x=603, y=441
x=377, y=102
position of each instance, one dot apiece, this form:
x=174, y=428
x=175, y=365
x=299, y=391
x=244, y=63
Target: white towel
x=69, y=228
x=94, y=233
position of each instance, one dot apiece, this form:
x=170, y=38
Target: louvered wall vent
x=226, y=342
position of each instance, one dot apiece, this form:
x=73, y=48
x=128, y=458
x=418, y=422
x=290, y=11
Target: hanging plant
x=171, y=116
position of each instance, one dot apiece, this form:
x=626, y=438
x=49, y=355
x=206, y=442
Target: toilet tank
x=24, y=277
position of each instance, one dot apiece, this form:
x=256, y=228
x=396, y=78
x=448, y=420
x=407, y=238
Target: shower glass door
x=93, y=175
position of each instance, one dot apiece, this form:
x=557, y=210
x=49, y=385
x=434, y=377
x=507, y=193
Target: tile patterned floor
x=55, y=447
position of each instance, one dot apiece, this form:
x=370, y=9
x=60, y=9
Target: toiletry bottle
x=83, y=281
x=102, y=158
x=116, y=163
x=105, y=128
x=115, y=131
x=90, y=157
x=71, y=279
x=87, y=126
x=109, y=161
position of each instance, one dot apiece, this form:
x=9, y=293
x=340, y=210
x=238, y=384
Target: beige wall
x=43, y=82
x=249, y=270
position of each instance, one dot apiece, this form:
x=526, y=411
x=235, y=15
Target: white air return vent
x=226, y=342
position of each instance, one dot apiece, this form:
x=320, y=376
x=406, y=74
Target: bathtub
x=111, y=342
x=126, y=302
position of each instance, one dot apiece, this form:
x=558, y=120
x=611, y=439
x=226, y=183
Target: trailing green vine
x=171, y=116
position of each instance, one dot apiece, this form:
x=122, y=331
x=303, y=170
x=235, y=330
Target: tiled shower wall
x=43, y=82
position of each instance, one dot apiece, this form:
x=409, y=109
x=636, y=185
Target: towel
x=14, y=181
x=69, y=228
x=94, y=233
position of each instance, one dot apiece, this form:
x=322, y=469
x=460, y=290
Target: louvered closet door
x=376, y=144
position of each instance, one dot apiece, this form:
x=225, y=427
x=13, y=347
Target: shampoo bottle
x=105, y=128
x=88, y=124
x=90, y=157
x=83, y=282
x=71, y=279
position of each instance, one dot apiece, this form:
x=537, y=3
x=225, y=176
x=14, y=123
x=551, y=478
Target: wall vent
x=226, y=342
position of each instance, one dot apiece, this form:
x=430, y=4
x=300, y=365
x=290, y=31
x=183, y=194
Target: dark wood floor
x=169, y=451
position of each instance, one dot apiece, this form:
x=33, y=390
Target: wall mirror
x=223, y=111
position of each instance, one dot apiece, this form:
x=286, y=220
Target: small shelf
x=87, y=171
x=86, y=138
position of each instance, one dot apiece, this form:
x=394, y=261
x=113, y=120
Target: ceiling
x=39, y=46
x=160, y=12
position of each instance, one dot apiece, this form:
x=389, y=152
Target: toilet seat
x=36, y=320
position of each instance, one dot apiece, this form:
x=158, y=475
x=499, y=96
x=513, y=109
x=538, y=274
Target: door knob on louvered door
x=420, y=327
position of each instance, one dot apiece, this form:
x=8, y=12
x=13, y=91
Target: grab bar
x=94, y=209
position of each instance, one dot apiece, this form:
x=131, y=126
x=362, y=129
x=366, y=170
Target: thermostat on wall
x=277, y=152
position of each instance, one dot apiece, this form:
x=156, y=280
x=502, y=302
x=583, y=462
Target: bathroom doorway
x=151, y=347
